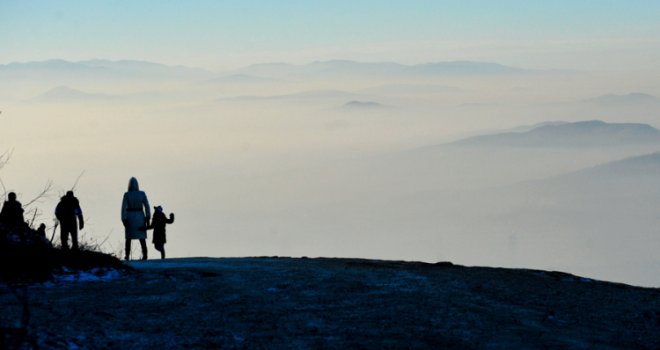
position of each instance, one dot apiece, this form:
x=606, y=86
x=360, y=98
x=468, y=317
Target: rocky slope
x=331, y=303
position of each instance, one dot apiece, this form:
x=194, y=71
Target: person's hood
x=133, y=185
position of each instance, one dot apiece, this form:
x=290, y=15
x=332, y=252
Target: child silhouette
x=158, y=223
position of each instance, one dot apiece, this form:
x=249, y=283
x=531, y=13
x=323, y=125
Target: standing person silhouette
x=67, y=211
x=158, y=223
x=135, y=215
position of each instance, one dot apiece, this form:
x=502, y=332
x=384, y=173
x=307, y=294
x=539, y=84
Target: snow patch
x=93, y=275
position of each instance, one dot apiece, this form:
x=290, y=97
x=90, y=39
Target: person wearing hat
x=158, y=223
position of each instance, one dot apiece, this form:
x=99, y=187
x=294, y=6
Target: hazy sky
x=585, y=34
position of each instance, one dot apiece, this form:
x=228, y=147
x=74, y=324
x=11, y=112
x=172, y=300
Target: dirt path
x=336, y=303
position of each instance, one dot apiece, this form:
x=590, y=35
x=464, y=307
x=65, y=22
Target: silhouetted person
x=12, y=212
x=158, y=223
x=67, y=211
x=41, y=231
x=135, y=215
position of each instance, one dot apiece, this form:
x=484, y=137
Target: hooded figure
x=135, y=215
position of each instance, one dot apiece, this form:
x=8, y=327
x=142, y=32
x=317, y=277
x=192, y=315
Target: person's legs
x=64, y=237
x=161, y=248
x=74, y=240
x=143, y=244
x=74, y=237
x=128, y=250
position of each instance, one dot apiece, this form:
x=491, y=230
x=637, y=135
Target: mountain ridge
x=102, y=68
x=622, y=99
x=64, y=93
x=349, y=67
x=278, y=70
x=592, y=133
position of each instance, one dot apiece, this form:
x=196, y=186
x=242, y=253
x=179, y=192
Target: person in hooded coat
x=135, y=215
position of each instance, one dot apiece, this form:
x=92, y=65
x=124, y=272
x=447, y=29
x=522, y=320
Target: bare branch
x=34, y=217
x=73, y=188
x=44, y=193
x=4, y=189
x=54, y=229
x=4, y=159
x=106, y=239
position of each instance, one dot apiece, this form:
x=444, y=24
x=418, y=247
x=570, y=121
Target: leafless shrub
x=43, y=194
x=4, y=159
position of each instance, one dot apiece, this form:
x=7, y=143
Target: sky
x=562, y=34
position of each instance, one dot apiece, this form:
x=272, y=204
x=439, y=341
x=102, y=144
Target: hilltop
x=305, y=303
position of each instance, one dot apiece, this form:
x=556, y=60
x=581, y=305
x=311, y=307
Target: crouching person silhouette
x=135, y=215
x=67, y=211
x=158, y=223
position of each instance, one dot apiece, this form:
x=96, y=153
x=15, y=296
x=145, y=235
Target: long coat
x=135, y=211
x=158, y=224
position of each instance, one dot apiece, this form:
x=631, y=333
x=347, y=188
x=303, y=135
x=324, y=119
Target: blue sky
x=216, y=34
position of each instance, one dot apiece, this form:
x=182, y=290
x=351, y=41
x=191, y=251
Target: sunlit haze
x=499, y=133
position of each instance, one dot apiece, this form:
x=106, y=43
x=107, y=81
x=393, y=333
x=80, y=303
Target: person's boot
x=128, y=250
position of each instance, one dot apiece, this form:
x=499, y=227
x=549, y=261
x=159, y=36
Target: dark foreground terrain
x=265, y=303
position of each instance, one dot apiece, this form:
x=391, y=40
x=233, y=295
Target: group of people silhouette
x=135, y=216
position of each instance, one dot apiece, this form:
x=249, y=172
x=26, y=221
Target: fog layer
x=351, y=159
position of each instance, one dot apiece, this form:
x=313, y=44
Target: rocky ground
x=255, y=303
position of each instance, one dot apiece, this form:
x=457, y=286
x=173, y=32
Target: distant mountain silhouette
x=67, y=94
x=462, y=68
x=638, y=167
x=94, y=69
x=362, y=105
x=54, y=64
x=334, y=67
x=580, y=134
x=623, y=100
x=301, y=96
x=632, y=181
x=240, y=79
x=524, y=128
x=411, y=89
x=346, y=68
x=123, y=69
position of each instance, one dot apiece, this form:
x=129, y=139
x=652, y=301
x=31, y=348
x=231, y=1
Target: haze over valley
x=508, y=134
x=472, y=162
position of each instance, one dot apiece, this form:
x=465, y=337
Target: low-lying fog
x=351, y=160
